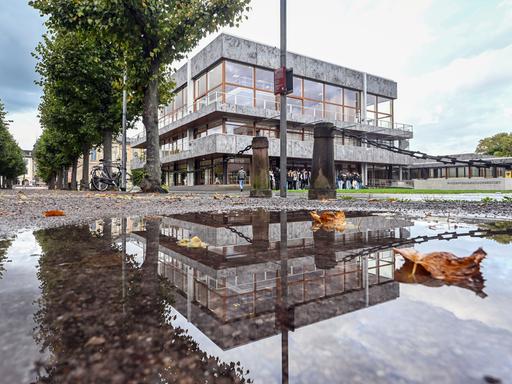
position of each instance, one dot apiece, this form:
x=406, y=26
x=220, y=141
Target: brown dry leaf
x=445, y=265
x=329, y=220
x=95, y=340
x=194, y=242
x=55, y=212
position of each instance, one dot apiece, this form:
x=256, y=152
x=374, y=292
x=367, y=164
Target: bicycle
x=104, y=176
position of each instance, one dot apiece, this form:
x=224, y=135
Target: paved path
x=24, y=208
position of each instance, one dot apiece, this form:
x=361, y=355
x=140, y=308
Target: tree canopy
x=497, y=145
x=11, y=156
x=82, y=80
x=152, y=35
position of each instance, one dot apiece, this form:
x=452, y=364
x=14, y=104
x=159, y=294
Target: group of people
x=348, y=180
x=300, y=179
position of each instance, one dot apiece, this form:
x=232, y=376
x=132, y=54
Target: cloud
x=25, y=127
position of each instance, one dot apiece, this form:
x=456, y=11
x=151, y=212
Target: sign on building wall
x=283, y=81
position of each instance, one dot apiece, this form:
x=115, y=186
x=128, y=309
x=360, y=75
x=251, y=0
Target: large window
x=264, y=80
x=241, y=74
x=379, y=110
x=313, y=90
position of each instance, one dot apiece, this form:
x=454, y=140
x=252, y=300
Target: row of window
x=246, y=85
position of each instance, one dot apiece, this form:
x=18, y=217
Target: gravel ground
x=23, y=209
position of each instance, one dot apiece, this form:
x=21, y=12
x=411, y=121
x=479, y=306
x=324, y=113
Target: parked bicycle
x=104, y=176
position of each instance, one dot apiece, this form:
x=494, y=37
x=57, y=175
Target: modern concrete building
x=224, y=96
x=433, y=175
x=233, y=290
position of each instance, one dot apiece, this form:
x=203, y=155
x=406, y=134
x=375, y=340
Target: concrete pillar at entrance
x=224, y=171
x=260, y=183
x=324, y=249
x=260, y=221
x=364, y=173
x=400, y=173
x=190, y=175
x=323, y=176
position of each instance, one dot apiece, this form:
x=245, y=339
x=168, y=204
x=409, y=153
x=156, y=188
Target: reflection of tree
x=96, y=336
x=4, y=246
x=499, y=226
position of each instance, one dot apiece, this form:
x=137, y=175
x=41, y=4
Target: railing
x=271, y=104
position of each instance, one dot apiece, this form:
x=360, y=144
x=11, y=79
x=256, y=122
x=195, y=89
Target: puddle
x=120, y=301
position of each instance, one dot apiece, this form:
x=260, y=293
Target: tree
x=11, y=157
x=497, y=145
x=152, y=34
x=81, y=76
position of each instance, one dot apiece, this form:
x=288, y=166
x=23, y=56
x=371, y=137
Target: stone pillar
x=323, y=176
x=190, y=175
x=364, y=173
x=260, y=183
x=224, y=171
x=324, y=249
x=363, y=98
x=400, y=173
x=260, y=221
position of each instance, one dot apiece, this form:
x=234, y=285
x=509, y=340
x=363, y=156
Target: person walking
x=241, y=178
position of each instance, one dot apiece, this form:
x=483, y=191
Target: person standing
x=241, y=178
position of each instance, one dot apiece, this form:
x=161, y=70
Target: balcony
x=230, y=144
x=268, y=109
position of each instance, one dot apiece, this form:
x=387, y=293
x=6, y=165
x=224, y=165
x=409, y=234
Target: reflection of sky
x=19, y=289
x=442, y=335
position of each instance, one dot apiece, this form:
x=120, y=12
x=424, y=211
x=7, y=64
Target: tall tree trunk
x=59, y=179
x=150, y=120
x=107, y=147
x=74, y=174
x=51, y=182
x=64, y=178
x=85, y=168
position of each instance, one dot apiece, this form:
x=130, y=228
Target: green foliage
x=152, y=34
x=11, y=156
x=82, y=80
x=497, y=145
x=138, y=176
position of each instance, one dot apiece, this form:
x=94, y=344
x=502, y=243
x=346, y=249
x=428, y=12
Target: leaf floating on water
x=194, y=242
x=445, y=265
x=56, y=212
x=329, y=220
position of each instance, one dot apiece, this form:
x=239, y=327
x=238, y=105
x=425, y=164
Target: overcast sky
x=452, y=59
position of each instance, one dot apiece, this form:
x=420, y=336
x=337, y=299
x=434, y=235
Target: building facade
x=224, y=96
x=30, y=178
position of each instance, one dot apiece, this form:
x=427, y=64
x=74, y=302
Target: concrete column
x=260, y=221
x=400, y=173
x=364, y=173
x=323, y=175
x=324, y=250
x=260, y=183
x=224, y=171
x=190, y=175
x=363, y=98
x=190, y=88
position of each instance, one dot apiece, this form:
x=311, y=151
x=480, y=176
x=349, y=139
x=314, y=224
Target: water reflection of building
x=233, y=289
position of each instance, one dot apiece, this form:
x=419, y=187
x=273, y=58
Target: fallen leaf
x=194, y=242
x=95, y=340
x=445, y=265
x=329, y=221
x=55, y=212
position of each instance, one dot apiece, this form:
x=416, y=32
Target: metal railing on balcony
x=267, y=102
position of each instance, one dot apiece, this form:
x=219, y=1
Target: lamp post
x=123, y=151
x=282, y=123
